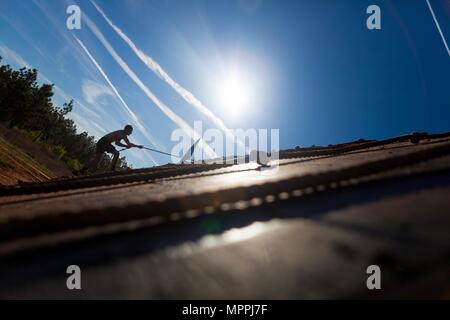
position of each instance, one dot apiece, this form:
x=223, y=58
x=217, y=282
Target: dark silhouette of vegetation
x=28, y=107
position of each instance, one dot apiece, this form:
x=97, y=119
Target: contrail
x=156, y=68
x=129, y=111
x=165, y=109
x=438, y=27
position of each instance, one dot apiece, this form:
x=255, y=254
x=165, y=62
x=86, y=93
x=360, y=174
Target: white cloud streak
x=127, y=108
x=84, y=125
x=66, y=98
x=438, y=27
x=159, y=71
x=55, y=26
x=93, y=91
x=24, y=35
x=164, y=108
x=10, y=56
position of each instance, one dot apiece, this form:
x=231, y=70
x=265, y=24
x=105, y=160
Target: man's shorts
x=103, y=145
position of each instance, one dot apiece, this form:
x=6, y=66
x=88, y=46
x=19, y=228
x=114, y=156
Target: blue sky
x=309, y=68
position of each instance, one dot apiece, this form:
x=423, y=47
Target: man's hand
x=140, y=147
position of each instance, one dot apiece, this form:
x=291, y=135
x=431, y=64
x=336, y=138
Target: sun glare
x=235, y=95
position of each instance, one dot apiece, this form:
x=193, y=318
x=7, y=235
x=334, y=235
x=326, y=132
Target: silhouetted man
x=105, y=145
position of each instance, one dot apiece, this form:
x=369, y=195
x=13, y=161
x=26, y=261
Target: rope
x=154, y=150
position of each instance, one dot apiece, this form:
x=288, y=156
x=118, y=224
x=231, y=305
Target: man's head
x=128, y=129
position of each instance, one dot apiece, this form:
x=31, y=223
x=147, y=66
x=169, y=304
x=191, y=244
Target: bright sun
x=235, y=95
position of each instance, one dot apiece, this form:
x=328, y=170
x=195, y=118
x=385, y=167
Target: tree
x=26, y=105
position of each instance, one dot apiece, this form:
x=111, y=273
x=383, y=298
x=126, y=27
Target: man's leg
x=98, y=157
x=93, y=163
x=114, y=160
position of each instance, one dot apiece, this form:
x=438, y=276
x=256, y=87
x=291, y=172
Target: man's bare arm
x=128, y=144
x=120, y=144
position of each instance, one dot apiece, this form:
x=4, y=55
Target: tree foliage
x=26, y=105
